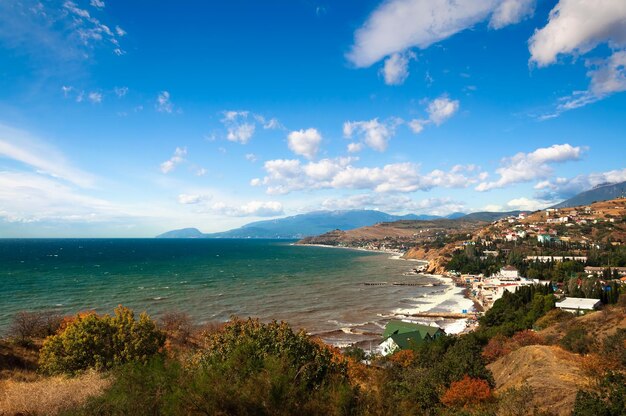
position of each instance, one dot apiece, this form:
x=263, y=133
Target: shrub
x=101, y=342
x=467, y=393
x=497, y=347
x=29, y=325
x=553, y=317
x=249, y=368
x=356, y=353
x=312, y=360
x=576, y=340
x=178, y=327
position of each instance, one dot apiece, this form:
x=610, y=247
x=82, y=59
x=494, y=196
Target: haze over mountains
x=312, y=223
x=320, y=222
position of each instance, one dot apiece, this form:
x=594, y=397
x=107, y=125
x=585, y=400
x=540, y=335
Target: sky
x=131, y=118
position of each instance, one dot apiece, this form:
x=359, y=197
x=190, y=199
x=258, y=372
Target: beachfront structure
x=401, y=335
x=578, y=305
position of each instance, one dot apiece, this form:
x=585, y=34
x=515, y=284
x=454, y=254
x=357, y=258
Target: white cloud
x=526, y=204
x=241, y=133
x=355, y=147
x=562, y=188
x=251, y=157
x=396, y=68
x=30, y=197
x=608, y=76
x=373, y=133
x=441, y=109
x=95, y=97
x=20, y=146
x=177, y=158
x=53, y=32
x=394, y=204
x=241, y=125
x=578, y=26
x=120, y=32
x=397, y=25
x=190, y=199
x=284, y=176
x=305, y=142
x=416, y=125
x=250, y=209
x=99, y=4
x=525, y=167
x=163, y=103
x=120, y=91
x=509, y=12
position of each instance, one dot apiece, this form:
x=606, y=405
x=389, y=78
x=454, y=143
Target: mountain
x=182, y=233
x=299, y=226
x=602, y=192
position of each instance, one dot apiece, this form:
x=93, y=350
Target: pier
x=402, y=284
x=448, y=315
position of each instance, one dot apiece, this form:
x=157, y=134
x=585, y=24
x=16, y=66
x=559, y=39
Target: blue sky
x=130, y=118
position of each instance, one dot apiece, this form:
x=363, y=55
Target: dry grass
x=553, y=374
x=49, y=396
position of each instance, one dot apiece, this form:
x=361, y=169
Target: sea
x=343, y=296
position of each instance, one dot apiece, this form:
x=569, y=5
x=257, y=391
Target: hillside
x=553, y=374
x=602, y=192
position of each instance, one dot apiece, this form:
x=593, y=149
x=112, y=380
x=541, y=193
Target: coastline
x=453, y=299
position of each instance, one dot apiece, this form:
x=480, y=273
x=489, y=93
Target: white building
x=576, y=305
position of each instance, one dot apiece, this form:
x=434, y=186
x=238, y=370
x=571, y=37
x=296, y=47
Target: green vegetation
x=517, y=311
x=246, y=368
x=101, y=342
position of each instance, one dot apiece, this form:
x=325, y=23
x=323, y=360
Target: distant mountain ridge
x=314, y=223
x=601, y=192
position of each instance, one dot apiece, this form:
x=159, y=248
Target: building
x=401, y=335
x=508, y=273
x=578, y=305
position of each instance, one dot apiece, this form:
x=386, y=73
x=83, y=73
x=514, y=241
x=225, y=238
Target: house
x=578, y=305
x=508, y=272
x=544, y=238
x=401, y=335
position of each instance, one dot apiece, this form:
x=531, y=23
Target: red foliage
x=499, y=346
x=527, y=337
x=467, y=393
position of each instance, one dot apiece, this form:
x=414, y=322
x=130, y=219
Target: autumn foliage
x=467, y=393
x=499, y=346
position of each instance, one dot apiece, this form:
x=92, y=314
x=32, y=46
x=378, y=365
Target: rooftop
x=578, y=303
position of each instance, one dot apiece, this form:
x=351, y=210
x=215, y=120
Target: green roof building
x=400, y=335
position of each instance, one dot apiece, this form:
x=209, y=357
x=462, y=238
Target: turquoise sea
x=322, y=290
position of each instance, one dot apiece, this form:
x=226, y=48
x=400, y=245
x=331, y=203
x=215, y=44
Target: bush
x=356, y=353
x=312, y=360
x=178, y=327
x=553, y=317
x=248, y=368
x=467, y=393
x=29, y=325
x=101, y=342
x=576, y=340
